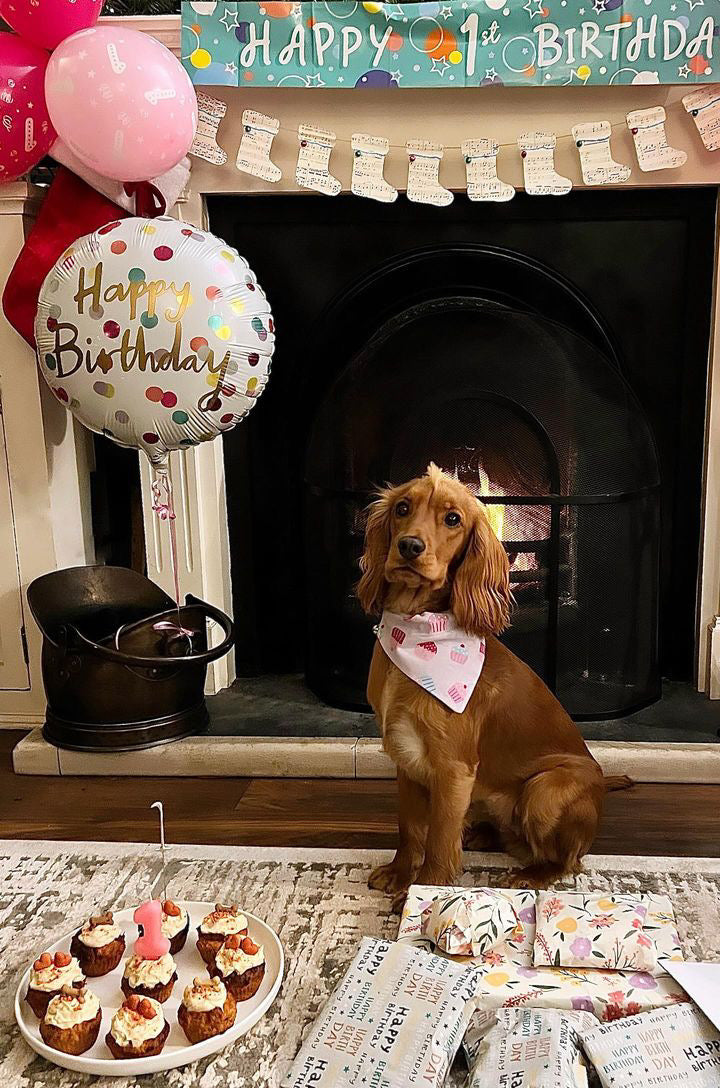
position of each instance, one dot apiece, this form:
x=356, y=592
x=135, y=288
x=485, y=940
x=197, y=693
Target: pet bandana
x=433, y=651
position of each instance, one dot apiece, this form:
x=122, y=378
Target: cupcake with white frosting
x=72, y=1020
x=216, y=927
x=149, y=978
x=138, y=1029
x=48, y=976
x=240, y=963
x=99, y=945
x=207, y=1008
x=175, y=925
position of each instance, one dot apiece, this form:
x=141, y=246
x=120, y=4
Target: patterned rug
x=318, y=902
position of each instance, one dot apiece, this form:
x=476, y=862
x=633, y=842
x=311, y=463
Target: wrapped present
x=471, y=922
x=665, y=1048
x=530, y=1048
x=598, y=930
x=396, y=1018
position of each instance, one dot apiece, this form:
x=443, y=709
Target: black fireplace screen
x=542, y=426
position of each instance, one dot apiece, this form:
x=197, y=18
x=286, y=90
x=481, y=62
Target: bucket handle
x=211, y=654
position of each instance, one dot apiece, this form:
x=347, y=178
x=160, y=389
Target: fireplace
x=526, y=349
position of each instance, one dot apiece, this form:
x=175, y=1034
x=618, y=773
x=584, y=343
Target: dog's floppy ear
x=372, y=586
x=481, y=598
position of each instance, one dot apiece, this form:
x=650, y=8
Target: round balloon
x=155, y=334
x=26, y=132
x=46, y=24
x=122, y=102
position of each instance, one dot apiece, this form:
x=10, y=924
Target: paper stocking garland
x=651, y=146
x=205, y=145
x=423, y=186
x=253, y=155
x=312, y=172
x=368, y=163
x=481, y=171
x=596, y=162
x=538, y=155
x=704, y=107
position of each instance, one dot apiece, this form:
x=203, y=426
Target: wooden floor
x=648, y=819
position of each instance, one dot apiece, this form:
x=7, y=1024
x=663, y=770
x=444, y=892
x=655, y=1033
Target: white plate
x=177, y=1051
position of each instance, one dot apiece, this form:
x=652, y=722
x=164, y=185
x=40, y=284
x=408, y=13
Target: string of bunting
x=537, y=150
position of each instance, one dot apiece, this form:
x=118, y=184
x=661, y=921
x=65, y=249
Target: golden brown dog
x=513, y=755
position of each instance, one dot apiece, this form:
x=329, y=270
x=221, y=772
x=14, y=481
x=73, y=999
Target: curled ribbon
x=178, y=630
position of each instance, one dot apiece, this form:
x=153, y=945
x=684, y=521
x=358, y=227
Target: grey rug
x=318, y=902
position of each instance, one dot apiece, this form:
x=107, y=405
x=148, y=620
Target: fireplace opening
x=528, y=349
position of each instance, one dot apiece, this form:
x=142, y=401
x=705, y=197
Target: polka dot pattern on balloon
x=149, y=321
x=136, y=275
x=180, y=417
x=104, y=389
x=111, y=329
x=118, y=247
x=162, y=253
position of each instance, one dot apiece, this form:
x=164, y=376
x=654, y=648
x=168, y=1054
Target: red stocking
x=70, y=210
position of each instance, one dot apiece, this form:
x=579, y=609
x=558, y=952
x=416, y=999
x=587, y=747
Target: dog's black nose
x=410, y=547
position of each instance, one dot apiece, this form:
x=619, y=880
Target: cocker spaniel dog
x=474, y=733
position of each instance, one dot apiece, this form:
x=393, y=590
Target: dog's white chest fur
x=401, y=739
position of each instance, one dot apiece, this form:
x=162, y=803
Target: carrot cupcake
x=99, y=945
x=207, y=1009
x=149, y=978
x=72, y=1021
x=215, y=927
x=138, y=1029
x=240, y=964
x=48, y=977
x=175, y=925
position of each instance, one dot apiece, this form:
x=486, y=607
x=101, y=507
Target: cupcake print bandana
x=435, y=653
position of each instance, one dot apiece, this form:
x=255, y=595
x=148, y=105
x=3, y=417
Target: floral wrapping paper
x=470, y=923
x=602, y=930
x=508, y=979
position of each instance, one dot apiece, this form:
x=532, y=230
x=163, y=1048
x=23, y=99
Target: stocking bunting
x=71, y=209
x=703, y=106
x=651, y=146
x=368, y=164
x=538, y=155
x=423, y=186
x=597, y=164
x=481, y=171
x=205, y=145
x=312, y=172
x=253, y=155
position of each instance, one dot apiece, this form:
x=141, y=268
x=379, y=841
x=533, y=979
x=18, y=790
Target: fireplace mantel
x=49, y=495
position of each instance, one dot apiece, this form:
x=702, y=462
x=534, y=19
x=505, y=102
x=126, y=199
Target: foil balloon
x=155, y=334
x=26, y=133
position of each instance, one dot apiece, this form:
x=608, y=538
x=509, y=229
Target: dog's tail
x=617, y=782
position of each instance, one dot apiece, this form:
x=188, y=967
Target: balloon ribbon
x=162, y=504
x=149, y=201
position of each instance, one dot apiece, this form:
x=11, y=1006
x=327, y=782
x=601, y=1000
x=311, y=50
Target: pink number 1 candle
x=151, y=945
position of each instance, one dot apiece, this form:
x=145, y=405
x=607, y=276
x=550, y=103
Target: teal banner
x=460, y=43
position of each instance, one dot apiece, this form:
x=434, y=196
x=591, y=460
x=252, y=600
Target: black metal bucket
x=118, y=673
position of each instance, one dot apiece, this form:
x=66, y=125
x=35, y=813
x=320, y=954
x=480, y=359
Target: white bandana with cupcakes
x=434, y=652
x=397, y=1018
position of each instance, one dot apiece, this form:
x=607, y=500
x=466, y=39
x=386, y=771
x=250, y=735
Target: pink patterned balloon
x=49, y=22
x=25, y=133
x=122, y=102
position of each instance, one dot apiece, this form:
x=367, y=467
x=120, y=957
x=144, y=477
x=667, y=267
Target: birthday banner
x=459, y=43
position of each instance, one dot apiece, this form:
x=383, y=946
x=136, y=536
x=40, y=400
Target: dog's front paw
x=390, y=879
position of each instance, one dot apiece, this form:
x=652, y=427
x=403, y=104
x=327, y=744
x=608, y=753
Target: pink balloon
x=25, y=132
x=48, y=23
x=122, y=102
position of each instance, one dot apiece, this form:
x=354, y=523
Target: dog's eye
x=402, y=509
x=452, y=519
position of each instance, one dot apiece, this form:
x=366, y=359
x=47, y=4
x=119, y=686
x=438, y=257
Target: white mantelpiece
x=50, y=493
